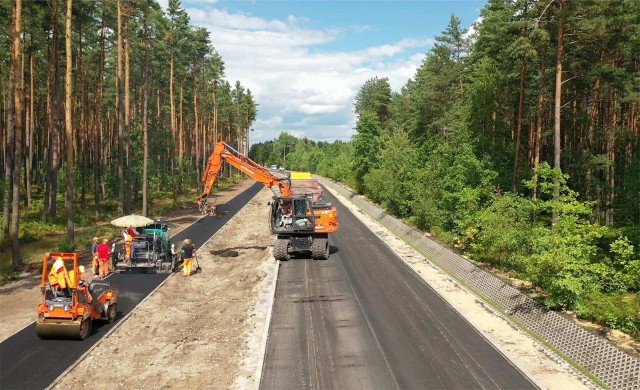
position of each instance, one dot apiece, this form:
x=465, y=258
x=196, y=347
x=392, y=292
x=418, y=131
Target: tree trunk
x=16, y=55
x=50, y=200
x=195, y=118
x=174, y=129
x=611, y=169
x=8, y=157
x=181, y=129
x=81, y=124
x=516, y=160
x=557, y=109
x=145, y=128
x=127, y=115
x=591, y=135
x=215, y=112
x=69, y=126
x=99, y=142
x=119, y=79
x=172, y=102
x=30, y=131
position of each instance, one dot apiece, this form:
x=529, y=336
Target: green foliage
x=66, y=246
x=33, y=230
x=618, y=311
x=374, y=96
x=367, y=145
x=501, y=235
x=626, y=262
x=452, y=186
x=392, y=183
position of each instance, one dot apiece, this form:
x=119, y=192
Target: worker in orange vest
x=59, y=277
x=128, y=234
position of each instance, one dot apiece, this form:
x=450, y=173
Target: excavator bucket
x=219, y=211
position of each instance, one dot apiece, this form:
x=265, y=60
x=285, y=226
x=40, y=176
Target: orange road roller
x=69, y=302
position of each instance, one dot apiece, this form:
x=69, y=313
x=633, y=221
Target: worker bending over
x=188, y=251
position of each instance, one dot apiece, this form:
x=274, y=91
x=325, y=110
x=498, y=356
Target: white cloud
x=293, y=78
x=473, y=29
x=269, y=122
x=307, y=108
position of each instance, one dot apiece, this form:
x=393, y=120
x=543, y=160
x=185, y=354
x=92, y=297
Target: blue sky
x=304, y=61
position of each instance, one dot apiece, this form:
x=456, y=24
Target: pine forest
x=107, y=107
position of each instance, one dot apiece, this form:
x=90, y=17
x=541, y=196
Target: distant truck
x=303, y=184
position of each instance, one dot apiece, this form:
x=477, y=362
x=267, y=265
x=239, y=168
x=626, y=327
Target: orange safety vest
x=56, y=275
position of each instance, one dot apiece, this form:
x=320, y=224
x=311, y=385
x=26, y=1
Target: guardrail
x=612, y=366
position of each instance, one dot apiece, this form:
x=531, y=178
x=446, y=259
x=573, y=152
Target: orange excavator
x=300, y=225
x=69, y=303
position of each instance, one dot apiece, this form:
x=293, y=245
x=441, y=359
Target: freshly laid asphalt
x=27, y=362
x=364, y=320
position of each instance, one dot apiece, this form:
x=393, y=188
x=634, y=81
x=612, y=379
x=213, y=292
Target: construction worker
x=128, y=234
x=287, y=218
x=103, y=251
x=59, y=277
x=94, y=256
x=188, y=251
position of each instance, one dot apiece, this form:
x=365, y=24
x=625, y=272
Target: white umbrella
x=132, y=220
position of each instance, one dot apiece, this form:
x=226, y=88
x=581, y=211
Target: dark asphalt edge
x=517, y=366
x=267, y=320
x=119, y=323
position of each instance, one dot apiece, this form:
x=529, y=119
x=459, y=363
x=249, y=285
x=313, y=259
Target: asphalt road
x=364, y=320
x=27, y=362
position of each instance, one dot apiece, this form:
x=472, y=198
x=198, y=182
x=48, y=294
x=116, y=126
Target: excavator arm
x=222, y=153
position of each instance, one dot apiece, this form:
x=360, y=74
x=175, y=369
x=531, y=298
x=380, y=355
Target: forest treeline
x=518, y=144
x=105, y=102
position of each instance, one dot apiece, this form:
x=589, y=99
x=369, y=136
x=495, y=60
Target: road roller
x=70, y=303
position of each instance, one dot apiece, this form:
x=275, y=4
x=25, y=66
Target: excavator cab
x=292, y=214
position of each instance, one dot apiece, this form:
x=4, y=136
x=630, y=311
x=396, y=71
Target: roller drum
x=56, y=328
